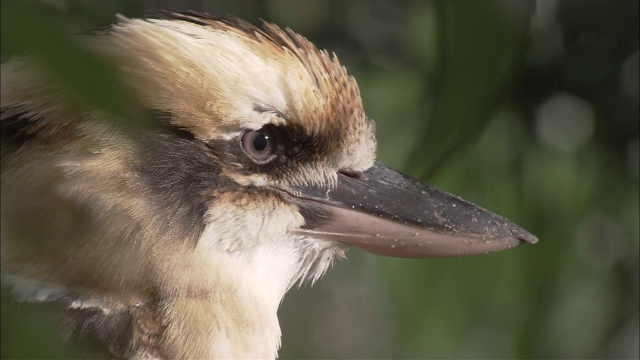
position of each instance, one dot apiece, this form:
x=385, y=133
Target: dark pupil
x=261, y=141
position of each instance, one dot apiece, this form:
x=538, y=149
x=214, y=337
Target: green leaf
x=478, y=49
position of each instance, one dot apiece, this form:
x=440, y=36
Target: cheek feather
x=245, y=219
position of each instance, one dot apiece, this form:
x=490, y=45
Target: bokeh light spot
x=565, y=121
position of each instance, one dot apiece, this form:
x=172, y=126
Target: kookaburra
x=180, y=240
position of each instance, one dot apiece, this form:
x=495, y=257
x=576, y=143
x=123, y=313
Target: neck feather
x=237, y=316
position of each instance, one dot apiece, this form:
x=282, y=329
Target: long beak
x=389, y=213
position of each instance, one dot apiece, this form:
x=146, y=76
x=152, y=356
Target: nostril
x=350, y=173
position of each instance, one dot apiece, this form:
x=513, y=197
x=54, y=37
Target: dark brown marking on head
x=179, y=173
x=15, y=124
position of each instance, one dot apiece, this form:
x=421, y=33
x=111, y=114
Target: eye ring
x=260, y=145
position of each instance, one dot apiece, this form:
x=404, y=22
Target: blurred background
x=527, y=108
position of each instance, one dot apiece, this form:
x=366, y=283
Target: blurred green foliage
x=42, y=36
x=527, y=108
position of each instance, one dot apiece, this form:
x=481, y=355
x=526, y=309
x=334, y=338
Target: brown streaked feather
x=126, y=331
x=338, y=88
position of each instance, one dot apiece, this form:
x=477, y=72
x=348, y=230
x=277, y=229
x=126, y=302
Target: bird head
x=259, y=172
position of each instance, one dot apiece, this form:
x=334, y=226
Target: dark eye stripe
x=274, y=149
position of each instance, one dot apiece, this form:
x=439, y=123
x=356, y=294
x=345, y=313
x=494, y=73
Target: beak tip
x=523, y=235
x=527, y=238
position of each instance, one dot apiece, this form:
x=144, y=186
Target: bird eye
x=259, y=145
